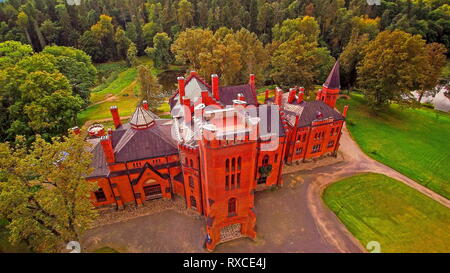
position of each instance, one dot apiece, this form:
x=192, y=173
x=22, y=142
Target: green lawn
x=375, y=207
x=123, y=80
x=414, y=142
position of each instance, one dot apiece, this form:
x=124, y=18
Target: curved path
x=355, y=161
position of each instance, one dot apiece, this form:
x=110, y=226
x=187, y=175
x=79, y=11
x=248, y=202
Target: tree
x=149, y=31
x=291, y=28
x=99, y=40
x=12, y=51
x=350, y=58
x=150, y=91
x=122, y=43
x=299, y=62
x=160, y=53
x=185, y=14
x=391, y=66
x=44, y=193
x=50, y=31
x=432, y=68
x=190, y=44
x=132, y=55
x=77, y=66
x=254, y=57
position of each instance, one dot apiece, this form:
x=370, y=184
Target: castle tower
x=228, y=163
x=330, y=91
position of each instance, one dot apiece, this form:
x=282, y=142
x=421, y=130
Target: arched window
x=238, y=180
x=265, y=160
x=227, y=165
x=239, y=163
x=232, y=207
x=193, y=202
x=192, y=163
x=233, y=164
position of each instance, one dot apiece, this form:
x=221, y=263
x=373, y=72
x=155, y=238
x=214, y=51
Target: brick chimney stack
x=181, y=85
x=187, y=110
x=252, y=81
x=215, y=85
x=292, y=92
x=115, y=115
x=145, y=104
x=278, y=95
x=301, y=94
x=344, y=112
x=107, y=148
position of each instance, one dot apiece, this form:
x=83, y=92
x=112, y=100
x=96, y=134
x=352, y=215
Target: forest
x=49, y=47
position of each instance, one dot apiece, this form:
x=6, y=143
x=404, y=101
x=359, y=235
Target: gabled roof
x=195, y=85
x=135, y=144
x=229, y=93
x=307, y=110
x=333, y=81
x=98, y=161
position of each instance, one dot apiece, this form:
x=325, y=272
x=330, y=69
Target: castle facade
x=219, y=149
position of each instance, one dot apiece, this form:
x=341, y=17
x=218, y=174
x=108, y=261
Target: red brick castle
x=220, y=147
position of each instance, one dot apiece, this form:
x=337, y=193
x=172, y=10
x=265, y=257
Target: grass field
x=375, y=207
x=414, y=142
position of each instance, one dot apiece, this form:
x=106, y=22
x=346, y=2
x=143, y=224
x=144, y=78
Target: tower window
x=276, y=158
x=233, y=164
x=239, y=163
x=192, y=163
x=227, y=183
x=232, y=207
x=238, y=180
x=227, y=165
x=232, y=181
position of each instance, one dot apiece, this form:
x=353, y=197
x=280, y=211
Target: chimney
x=181, y=84
x=215, y=86
x=187, y=110
x=301, y=94
x=107, y=148
x=76, y=130
x=291, y=97
x=252, y=81
x=344, y=112
x=115, y=115
x=205, y=96
x=145, y=104
x=193, y=73
x=278, y=95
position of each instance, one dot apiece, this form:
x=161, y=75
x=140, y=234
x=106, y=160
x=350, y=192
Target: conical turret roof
x=142, y=118
x=333, y=81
